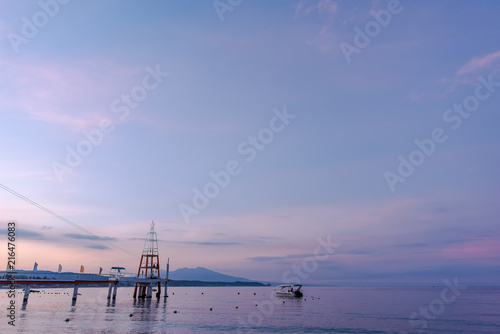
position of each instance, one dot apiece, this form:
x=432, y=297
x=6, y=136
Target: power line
x=67, y=221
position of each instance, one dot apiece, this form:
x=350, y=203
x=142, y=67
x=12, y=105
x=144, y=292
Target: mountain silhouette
x=202, y=274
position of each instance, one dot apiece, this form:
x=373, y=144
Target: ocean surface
x=321, y=310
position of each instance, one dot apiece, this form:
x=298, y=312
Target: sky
x=314, y=141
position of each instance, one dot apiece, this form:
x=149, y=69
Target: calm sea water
x=322, y=310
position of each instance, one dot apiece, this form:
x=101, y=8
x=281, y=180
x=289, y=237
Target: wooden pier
x=148, y=275
x=147, y=283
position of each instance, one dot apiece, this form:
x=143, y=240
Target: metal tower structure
x=149, y=267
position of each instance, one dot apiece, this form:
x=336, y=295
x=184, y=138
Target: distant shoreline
x=171, y=283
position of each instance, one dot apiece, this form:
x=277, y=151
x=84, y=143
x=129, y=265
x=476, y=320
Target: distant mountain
x=202, y=274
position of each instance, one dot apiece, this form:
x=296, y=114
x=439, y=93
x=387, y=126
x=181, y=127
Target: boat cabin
x=117, y=272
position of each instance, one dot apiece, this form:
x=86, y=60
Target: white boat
x=291, y=290
x=117, y=272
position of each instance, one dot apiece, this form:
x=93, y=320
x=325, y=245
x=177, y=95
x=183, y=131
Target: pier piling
x=75, y=292
x=26, y=293
x=109, y=290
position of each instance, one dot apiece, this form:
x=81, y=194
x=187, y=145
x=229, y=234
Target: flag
x=81, y=269
x=35, y=267
x=60, y=269
x=100, y=270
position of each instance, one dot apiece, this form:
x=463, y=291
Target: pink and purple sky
x=172, y=91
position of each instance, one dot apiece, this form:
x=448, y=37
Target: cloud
x=97, y=246
x=476, y=65
x=210, y=243
x=306, y=7
x=142, y=239
x=276, y=258
x=483, y=248
x=468, y=73
x=26, y=234
x=87, y=237
x=412, y=245
x=74, y=95
x=325, y=38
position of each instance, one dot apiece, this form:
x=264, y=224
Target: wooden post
x=149, y=290
x=109, y=290
x=158, y=293
x=26, y=293
x=166, y=280
x=135, y=290
x=114, y=290
x=75, y=292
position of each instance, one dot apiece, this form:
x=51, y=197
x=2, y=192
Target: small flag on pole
x=60, y=269
x=81, y=269
x=35, y=267
x=100, y=270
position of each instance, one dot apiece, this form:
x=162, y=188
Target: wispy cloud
x=278, y=258
x=412, y=245
x=92, y=246
x=210, y=243
x=86, y=237
x=327, y=10
x=481, y=248
x=468, y=73
x=27, y=234
x=305, y=7
x=64, y=94
x=476, y=65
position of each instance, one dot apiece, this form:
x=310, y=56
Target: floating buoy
x=173, y=293
x=175, y=311
x=254, y=293
x=236, y=307
x=210, y=309
x=202, y=293
x=67, y=319
x=255, y=304
x=238, y=293
x=283, y=302
x=130, y=315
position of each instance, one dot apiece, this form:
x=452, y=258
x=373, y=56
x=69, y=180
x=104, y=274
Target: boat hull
x=296, y=294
